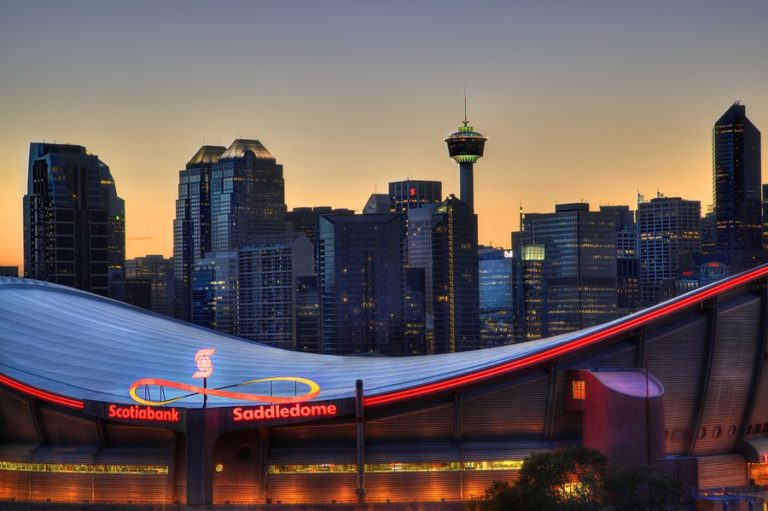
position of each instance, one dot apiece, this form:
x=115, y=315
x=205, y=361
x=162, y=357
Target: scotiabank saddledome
x=104, y=402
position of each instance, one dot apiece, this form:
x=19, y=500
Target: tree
x=641, y=488
x=569, y=478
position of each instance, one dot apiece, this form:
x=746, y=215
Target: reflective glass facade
x=413, y=194
x=579, y=269
x=362, y=283
x=214, y=292
x=247, y=196
x=268, y=270
x=496, y=275
x=158, y=272
x=670, y=231
x=455, y=285
x=736, y=181
x=74, y=222
x=192, y=225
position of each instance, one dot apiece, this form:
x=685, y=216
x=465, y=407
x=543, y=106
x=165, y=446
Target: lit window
x=578, y=390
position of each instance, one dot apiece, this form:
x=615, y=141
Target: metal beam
x=761, y=355
x=458, y=403
x=549, y=412
x=710, y=307
x=360, y=437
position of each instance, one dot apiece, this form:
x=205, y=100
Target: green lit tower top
x=466, y=147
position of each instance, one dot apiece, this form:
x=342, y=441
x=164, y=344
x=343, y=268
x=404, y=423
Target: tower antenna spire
x=465, y=105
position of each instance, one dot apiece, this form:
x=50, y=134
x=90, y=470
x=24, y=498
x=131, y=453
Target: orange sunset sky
x=590, y=101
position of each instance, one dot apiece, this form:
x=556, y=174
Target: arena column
x=203, y=429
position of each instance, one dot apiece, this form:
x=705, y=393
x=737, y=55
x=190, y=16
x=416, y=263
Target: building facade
x=192, y=225
x=362, y=283
x=158, y=272
x=579, y=269
x=247, y=196
x=736, y=181
x=74, y=222
x=670, y=231
x=455, y=281
x=268, y=272
x=496, y=275
x=414, y=194
x=214, y=289
x=627, y=259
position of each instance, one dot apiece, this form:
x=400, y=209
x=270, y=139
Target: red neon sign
x=144, y=413
x=297, y=410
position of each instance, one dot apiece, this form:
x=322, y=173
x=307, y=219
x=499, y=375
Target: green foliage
x=569, y=478
x=641, y=488
x=575, y=479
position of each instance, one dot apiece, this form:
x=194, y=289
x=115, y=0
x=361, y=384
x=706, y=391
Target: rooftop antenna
x=465, y=106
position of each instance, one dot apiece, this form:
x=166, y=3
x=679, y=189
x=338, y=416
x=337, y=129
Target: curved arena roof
x=65, y=345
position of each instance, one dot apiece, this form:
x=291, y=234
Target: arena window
x=81, y=468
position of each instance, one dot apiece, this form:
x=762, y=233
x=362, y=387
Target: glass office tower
x=736, y=181
x=414, y=194
x=496, y=275
x=670, y=231
x=362, y=283
x=192, y=225
x=74, y=222
x=579, y=267
x=247, y=196
x=455, y=284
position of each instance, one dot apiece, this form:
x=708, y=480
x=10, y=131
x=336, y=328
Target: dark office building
x=765, y=216
x=307, y=315
x=419, y=229
x=377, y=204
x=737, y=182
x=158, y=272
x=529, y=292
x=455, y=284
x=305, y=220
x=627, y=259
x=247, y=196
x=268, y=269
x=192, y=225
x=670, y=232
x=74, y=222
x=708, y=232
x=413, y=194
x=496, y=275
x=579, y=268
x=415, y=312
x=362, y=283
x=214, y=292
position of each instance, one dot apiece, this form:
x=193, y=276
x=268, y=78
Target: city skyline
x=345, y=120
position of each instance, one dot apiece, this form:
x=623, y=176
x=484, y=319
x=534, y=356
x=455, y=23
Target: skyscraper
x=192, y=225
x=455, y=282
x=247, y=196
x=579, y=265
x=268, y=269
x=158, y=272
x=736, y=181
x=466, y=146
x=214, y=288
x=627, y=259
x=419, y=235
x=377, y=204
x=305, y=219
x=74, y=222
x=362, y=283
x=496, y=276
x=413, y=194
x=670, y=231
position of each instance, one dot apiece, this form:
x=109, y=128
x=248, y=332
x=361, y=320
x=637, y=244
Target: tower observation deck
x=466, y=147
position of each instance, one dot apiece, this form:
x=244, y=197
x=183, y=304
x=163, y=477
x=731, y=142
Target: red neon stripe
x=565, y=348
x=41, y=394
